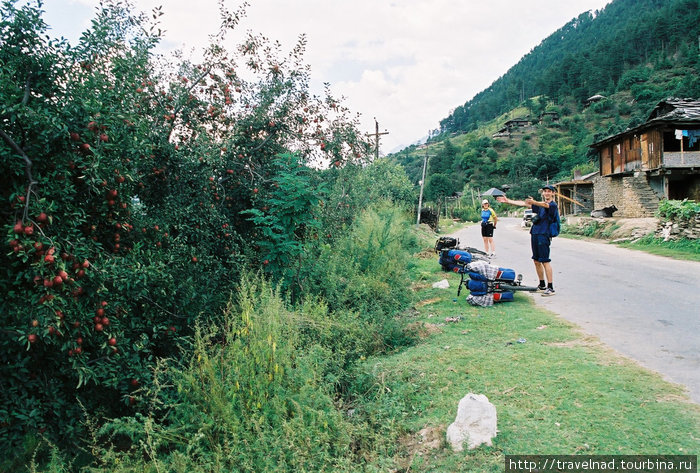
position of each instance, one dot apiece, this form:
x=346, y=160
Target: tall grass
x=366, y=271
x=249, y=397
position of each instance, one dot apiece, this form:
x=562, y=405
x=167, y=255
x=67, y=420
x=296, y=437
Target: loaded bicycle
x=486, y=283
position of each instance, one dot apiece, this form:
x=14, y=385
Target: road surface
x=644, y=306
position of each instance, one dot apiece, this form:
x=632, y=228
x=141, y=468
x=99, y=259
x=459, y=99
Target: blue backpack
x=555, y=226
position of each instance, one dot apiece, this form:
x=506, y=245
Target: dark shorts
x=487, y=230
x=540, y=248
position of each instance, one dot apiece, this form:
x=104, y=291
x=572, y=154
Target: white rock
x=475, y=423
x=444, y=284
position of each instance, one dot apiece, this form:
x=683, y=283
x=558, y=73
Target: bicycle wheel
x=477, y=255
x=516, y=287
x=474, y=251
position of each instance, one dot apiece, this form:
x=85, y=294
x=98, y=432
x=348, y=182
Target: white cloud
x=408, y=63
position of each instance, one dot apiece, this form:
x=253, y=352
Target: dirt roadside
x=617, y=228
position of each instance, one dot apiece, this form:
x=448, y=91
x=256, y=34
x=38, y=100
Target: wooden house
x=659, y=159
x=521, y=122
x=575, y=197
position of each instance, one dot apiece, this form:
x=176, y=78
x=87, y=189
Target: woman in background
x=489, y=219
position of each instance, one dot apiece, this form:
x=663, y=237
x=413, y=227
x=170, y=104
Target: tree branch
x=27, y=91
x=28, y=165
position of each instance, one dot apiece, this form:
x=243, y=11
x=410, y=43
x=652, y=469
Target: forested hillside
x=634, y=53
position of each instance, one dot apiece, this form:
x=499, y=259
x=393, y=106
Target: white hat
x=485, y=201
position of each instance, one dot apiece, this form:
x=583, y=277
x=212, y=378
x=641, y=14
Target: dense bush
x=134, y=193
x=466, y=213
x=365, y=269
x=262, y=386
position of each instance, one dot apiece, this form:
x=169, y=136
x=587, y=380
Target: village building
x=576, y=197
x=512, y=126
x=659, y=159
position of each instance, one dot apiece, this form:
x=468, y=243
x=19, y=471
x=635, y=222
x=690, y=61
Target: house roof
x=518, y=119
x=680, y=112
x=586, y=179
x=673, y=109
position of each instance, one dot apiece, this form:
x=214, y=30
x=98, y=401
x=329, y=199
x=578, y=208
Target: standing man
x=489, y=219
x=545, y=212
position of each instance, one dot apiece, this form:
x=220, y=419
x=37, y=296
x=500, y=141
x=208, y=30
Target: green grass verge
x=679, y=249
x=560, y=392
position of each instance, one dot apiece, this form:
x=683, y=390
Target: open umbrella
x=494, y=192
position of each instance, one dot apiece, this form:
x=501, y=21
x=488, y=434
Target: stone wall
x=607, y=191
x=632, y=195
x=680, y=228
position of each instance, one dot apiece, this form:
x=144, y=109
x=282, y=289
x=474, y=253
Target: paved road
x=644, y=306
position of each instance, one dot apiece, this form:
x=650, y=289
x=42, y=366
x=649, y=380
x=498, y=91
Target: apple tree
x=134, y=191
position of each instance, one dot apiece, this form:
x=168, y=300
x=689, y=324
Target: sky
x=404, y=63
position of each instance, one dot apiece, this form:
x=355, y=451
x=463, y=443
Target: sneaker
x=548, y=292
x=541, y=288
x=492, y=255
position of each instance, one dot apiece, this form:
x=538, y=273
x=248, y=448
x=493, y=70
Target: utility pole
x=422, y=184
x=376, y=135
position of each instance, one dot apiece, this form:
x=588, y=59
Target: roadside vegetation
x=682, y=249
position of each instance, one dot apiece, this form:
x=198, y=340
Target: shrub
x=678, y=209
x=466, y=213
x=365, y=270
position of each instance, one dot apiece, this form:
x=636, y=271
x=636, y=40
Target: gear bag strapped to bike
x=485, y=282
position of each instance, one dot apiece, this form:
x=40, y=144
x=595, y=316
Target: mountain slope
x=634, y=53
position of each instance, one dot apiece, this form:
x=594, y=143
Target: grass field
x=556, y=390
